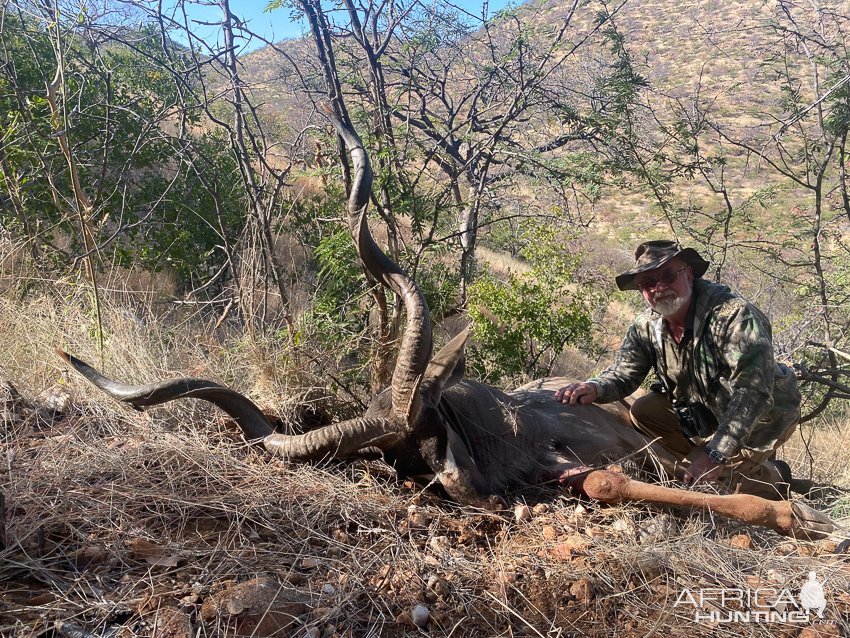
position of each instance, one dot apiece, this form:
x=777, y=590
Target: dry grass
x=128, y=524
x=821, y=451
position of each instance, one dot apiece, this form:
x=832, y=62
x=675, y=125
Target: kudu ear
x=447, y=366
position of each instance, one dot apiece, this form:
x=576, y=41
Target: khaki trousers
x=746, y=472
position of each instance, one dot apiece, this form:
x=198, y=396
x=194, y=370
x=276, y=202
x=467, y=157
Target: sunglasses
x=667, y=278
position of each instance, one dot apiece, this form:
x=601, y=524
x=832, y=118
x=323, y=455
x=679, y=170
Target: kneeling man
x=722, y=404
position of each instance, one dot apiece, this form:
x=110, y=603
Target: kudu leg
x=789, y=519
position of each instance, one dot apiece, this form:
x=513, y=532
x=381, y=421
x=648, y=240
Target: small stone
x=171, y=622
x=820, y=631
x=313, y=632
x=741, y=541
x=419, y=615
x=775, y=576
x=522, y=513
x=416, y=517
x=549, y=533
x=578, y=542
x=440, y=544
x=582, y=590
x=571, y=548
x=328, y=589
x=507, y=576
x=540, y=508
x=293, y=578
x=439, y=586
x=310, y=563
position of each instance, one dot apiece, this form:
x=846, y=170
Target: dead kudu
x=478, y=442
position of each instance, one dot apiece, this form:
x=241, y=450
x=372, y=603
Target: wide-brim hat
x=654, y=254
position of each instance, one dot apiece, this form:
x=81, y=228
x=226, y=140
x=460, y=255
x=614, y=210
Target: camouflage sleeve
x=628, y=371
x=743, y=336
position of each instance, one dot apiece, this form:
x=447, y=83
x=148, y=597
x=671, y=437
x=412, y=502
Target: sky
x=278, y=24
x=275, y=25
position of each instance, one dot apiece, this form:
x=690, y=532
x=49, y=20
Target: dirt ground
x=124, y=524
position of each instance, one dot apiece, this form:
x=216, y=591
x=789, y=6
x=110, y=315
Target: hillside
x=718, y=62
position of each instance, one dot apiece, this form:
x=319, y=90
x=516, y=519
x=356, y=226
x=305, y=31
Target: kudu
x=478, y=442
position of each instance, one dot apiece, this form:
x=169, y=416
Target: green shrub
x=522, y=324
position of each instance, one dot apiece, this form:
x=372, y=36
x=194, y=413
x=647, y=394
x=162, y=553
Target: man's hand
x=581, y=393
x=702, y=470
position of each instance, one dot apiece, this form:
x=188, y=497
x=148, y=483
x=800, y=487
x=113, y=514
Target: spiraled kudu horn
x=415, y=350
x=337, y=440
x=247, y=415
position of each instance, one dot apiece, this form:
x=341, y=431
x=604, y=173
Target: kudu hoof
x=809, y=523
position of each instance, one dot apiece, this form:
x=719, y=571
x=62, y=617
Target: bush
x=521, y=325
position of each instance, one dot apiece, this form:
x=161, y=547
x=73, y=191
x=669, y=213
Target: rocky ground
x=124, y=524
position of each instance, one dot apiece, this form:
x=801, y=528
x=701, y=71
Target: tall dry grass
x=129, y=524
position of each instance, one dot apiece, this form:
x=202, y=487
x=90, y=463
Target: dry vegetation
x=166, y=523
x=127, y=524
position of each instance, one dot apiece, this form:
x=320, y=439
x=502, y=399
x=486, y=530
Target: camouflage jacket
x=724, y=362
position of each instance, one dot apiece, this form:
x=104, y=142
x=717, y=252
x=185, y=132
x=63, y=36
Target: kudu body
x=478, y=442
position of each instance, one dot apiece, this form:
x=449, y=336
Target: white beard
x=669, y=306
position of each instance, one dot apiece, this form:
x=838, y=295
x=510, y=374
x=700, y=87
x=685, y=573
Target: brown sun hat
x=653, y=254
